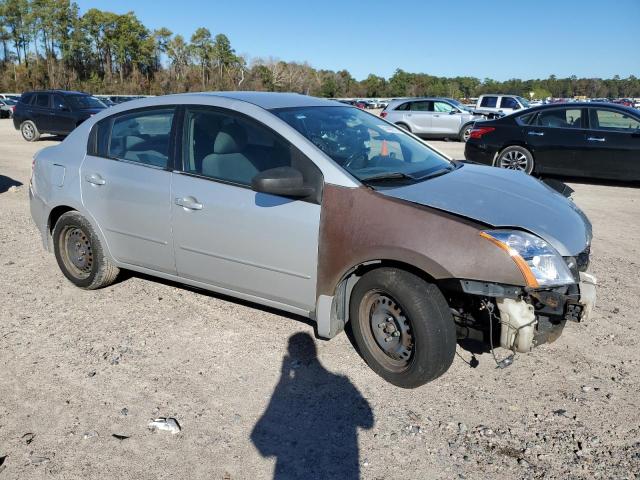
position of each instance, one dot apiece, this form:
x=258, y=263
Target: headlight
x=540, y=264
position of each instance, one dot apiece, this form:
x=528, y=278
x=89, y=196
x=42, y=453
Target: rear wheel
x=404, y=126
x=79, y=253
x=465, y=133
x=516, y=158
x=29, y=131
x=402, y=326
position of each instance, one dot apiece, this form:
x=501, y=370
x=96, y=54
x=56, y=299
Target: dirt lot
x=79, y=367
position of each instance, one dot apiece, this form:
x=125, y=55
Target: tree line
x=49, y=44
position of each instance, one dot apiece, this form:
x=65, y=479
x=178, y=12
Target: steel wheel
x=390, y=331
x=77, y=254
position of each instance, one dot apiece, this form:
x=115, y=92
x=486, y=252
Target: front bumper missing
x=522, y=326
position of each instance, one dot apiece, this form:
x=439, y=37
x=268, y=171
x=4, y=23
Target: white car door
x=230, y=237
x=446, y=119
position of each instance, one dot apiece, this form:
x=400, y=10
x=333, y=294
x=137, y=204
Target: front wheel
x=516, y=158
x=80, y=254
x=402, y=327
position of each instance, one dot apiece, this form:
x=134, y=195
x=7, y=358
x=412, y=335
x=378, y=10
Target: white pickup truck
x=500, y=104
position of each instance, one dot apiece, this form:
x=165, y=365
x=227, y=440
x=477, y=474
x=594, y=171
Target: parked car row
x=320, y=209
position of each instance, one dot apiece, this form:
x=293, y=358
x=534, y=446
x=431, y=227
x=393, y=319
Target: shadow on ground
x=311, y=423
x=6, y=183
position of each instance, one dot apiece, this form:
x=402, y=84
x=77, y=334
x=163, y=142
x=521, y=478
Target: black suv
x=53, y=111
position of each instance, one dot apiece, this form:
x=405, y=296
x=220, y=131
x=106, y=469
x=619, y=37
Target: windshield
x=364, y=145
x=84, y=101
x=525, y=103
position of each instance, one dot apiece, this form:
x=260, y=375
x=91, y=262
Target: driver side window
x=234, y=149
x=442, y=107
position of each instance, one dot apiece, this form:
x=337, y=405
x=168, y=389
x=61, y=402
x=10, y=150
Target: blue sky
x=500, y=39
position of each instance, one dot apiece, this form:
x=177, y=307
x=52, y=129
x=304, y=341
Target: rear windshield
x=80, y=102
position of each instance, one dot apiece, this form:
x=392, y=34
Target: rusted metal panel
x=358, y=225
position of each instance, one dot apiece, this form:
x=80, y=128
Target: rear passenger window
x=561, y=118
x=489, y=102
x=235, y=149
x=42, y=100
x=421, y=106
x=525, y=119
x=141, y=137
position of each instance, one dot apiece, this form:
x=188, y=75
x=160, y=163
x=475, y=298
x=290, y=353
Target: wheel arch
x=332, y=312
x=57, y=211
x=515, y=143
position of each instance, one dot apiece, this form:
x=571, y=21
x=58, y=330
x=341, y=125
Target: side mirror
x=283, y=181
x=516, y=107
x=453, y=112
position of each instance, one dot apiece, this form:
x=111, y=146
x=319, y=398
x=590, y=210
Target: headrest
x=231, y=138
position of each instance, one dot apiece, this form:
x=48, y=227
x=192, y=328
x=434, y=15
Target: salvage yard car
x=596, y=140
x=431, y=117
x=53, y=111
x=319, y=209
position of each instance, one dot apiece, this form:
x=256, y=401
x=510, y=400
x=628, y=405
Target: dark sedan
x=597, y=140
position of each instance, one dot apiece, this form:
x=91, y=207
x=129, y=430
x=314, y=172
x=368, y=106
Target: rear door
x=446, y=119
x=556, y=137
x=420, y=116
x=41, y=111
x=126, y=185
x=230, y=237
x=614, y=144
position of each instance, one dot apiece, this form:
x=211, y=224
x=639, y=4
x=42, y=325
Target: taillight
x=383, y=114
x=478, y=132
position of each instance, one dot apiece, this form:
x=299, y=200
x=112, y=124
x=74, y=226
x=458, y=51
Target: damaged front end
x=555, y=290
x=518, y=318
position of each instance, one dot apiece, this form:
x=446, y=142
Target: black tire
x=464, y=132
x=29, y=131
x=404, y=126
x=89, y=268
x=516, y=158
x=426, y=343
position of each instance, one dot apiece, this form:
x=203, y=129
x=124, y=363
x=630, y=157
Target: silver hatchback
x=433, y=117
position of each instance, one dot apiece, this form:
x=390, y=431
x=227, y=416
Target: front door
x=446, y=119
x=126, y=186
x=228, y=236
x=63, y=120
x=614, y=144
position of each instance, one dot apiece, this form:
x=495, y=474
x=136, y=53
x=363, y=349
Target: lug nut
x=388, y=339
x=396, y=333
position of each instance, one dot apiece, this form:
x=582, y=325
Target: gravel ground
x=80, y=367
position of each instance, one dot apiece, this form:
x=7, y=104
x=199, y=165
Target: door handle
x=189, y=203
x=95, y=179
x=596, y=139
x=436, y=116
x=539, y=134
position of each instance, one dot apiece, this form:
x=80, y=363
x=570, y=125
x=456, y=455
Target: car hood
x=504, y=199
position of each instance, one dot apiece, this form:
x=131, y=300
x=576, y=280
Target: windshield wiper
x=388, y=176
x=437, y=173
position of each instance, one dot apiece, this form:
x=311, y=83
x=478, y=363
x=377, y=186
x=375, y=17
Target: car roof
x=63, y=92
x=273, y=100
x=615, y=106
